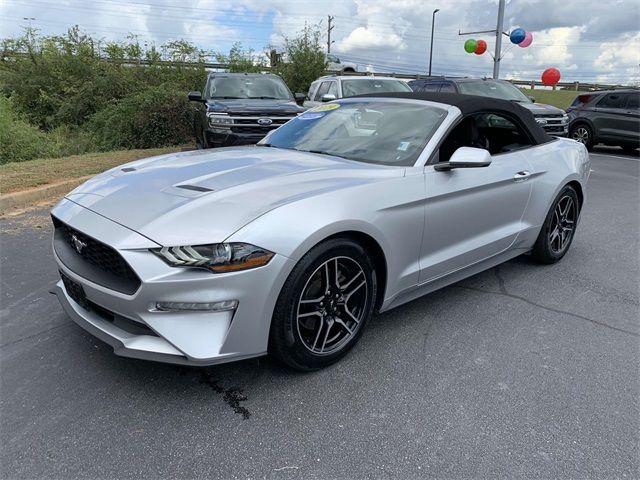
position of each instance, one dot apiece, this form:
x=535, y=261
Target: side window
x=613, y=100
x=333, y=89
x=448, y=87
x=431, y=87
x=312, y=89
x=324, y=88
x=633, y=101
x=489, y=131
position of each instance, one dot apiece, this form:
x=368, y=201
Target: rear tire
x=582, y=133
x=323, y=306
x=558, y=229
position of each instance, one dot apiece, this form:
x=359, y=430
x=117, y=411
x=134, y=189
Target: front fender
x=391, y=213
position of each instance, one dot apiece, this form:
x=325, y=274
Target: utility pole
x=433, y=21
x=498, y=54
x=498, y=32
x=329, y=28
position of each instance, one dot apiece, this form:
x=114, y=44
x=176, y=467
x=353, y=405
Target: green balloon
x=470, y=45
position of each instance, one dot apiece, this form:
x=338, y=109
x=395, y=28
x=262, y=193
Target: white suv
x=331, y=87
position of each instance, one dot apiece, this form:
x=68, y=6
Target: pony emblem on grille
x=78, y=244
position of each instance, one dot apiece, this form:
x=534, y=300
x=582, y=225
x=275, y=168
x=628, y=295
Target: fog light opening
x=222, y=306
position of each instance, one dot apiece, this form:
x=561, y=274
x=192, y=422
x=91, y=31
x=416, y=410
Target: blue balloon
x=517, y=36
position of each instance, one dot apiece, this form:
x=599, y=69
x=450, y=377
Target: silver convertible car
x=290, y=246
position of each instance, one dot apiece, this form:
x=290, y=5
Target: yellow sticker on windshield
x=326, y=107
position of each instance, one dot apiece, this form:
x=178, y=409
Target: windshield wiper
x=265, y=98
x=226, y=98
x=263, y=145
x=323, y=152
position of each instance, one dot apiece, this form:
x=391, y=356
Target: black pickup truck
x=241, y=108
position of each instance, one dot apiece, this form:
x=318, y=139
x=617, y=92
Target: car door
x=472, y=214
x=609, y=119
x=631, y=117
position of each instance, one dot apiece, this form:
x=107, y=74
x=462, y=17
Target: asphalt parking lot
x=522, y=371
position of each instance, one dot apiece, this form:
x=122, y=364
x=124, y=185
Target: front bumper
x=131, y=325
x=220, y=137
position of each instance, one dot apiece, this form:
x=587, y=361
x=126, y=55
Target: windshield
x=361, y=86
x=248, y=87
x=493, y=89
x=382, y=132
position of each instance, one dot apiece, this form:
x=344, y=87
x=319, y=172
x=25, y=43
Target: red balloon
x=481, y=47
x=550, y=76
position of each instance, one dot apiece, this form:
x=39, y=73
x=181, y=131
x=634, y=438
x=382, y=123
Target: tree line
x=70, y=94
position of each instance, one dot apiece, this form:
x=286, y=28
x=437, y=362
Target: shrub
x=20, y=141
x=155, y=117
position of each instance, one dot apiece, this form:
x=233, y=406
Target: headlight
x=219, y=119
x=218, y=257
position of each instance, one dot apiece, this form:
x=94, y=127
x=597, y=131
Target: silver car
x=290, y=246
x=333, y=87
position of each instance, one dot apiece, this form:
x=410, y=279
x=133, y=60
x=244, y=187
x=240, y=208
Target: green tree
x=305, y=59
x=241, y=60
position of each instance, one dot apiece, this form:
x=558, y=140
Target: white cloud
x=363, y=38
x=598, y=40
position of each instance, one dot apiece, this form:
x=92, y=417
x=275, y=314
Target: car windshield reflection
x=382, y=132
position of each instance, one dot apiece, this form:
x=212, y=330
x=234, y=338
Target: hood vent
x=195, y=188
x=128, y=169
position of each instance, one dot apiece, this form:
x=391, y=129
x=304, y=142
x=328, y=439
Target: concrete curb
x=16, y=201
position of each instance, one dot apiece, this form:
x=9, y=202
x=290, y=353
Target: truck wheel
x=582, y=133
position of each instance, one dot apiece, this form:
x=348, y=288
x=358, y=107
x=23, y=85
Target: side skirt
x=428, y=287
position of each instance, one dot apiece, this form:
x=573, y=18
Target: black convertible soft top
x=470, y=104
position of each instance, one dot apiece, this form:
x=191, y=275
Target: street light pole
x=433, y=21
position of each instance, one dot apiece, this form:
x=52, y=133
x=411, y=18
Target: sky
x=587, y=40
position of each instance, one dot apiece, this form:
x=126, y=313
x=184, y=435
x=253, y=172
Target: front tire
x=324, y=306
x=559, y=228
x=582, y=133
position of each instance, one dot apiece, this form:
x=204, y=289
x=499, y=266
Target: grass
x=19, y=176
x=558, y=98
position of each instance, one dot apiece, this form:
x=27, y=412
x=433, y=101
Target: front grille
x=93, y=260
x=553, y=123
x=249, y=129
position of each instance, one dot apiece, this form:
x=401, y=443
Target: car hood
x=541, y=108
x=257, y=106
x=205, y=196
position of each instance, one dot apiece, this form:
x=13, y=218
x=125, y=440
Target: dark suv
x=553, y=120
x=241, y=108
x=611, y=117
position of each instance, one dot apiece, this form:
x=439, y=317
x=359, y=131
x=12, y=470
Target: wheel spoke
x=354, y=290
x=329, y=324
x=309, y=314
x=336, y=275
x=312, y=300
x=567, y=206
x=315, y=342
x=340, y=322
x=327, y=278
x=348, y=312
x=355, y=277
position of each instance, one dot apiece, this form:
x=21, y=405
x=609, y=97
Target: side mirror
x=533, y=99
x=300, y=98
x=195, y=97
x=465, y=157
x=327, y=97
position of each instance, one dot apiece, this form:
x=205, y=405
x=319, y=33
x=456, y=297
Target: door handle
x=522, y=176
